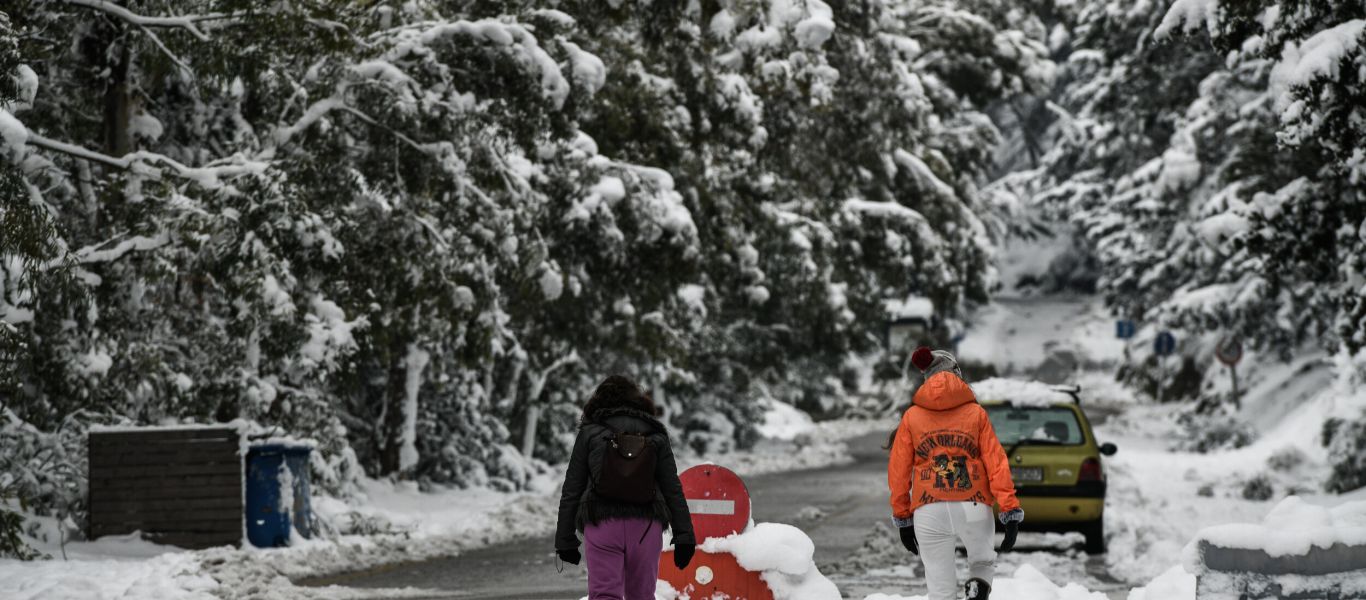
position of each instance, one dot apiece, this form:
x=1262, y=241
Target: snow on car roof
x=1020, y=392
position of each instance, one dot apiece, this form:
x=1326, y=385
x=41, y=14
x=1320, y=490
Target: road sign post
x=1230, y=351
x=1163, y=345
x=1125, y=329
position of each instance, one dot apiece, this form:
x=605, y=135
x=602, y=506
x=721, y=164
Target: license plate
x=1026, y=473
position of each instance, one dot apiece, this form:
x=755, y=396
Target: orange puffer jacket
x=947, y=451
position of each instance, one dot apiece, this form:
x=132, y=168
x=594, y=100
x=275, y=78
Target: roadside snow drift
x=1293, y=527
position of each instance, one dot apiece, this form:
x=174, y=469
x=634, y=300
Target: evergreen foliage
x=418, y=232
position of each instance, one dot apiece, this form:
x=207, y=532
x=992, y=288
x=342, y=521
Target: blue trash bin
x=277, y=493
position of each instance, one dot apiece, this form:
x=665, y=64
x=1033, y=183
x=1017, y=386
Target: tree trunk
x=118, y=104
x=533, y=417
x=535, y=387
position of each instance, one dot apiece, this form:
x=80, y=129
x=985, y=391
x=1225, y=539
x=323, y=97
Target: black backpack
x=627, y=471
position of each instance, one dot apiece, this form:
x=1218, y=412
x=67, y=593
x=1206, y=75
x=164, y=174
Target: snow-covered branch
x=147, y=162
x=183, y=22
x=73, y=150
x=91, y=255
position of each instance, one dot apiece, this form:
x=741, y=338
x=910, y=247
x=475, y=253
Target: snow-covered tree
x=418, y=232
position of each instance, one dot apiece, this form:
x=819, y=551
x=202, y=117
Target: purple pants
x=623, y=558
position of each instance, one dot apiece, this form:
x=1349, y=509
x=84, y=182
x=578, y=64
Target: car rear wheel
x=1095, y=536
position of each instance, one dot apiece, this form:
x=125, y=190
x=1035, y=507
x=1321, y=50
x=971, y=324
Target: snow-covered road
x=843, y=508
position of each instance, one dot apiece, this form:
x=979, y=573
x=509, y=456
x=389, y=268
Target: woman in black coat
x=623, y=538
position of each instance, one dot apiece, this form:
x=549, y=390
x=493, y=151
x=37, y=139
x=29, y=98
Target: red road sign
x=1229, y=351
x=713, y=576
x=717, y=499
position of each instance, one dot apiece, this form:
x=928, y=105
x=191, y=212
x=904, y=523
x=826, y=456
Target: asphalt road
x=843, y=509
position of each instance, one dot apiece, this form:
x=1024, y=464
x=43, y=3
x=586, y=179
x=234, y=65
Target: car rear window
x=1016, y=424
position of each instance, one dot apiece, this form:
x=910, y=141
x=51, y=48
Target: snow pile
x=170, y=576
x=1293, y=527
x=1174, y=584
x=783, y=421
x=1027, y=584
x=783, y=555
x=1019, y=392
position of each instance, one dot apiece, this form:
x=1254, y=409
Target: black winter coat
x=579, y=505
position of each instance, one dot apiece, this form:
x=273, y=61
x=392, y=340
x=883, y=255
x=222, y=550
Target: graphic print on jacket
x=946, y=450
x=949, y=463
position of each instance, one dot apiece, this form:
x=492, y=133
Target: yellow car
x=1054, y=457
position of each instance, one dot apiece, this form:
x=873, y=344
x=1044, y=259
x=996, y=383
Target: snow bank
x=1019, y=392
x=1293, y=527
x=1027, y=584
x=783, y=555
x=783, y=421
x=172, y=576
x=1175, y=584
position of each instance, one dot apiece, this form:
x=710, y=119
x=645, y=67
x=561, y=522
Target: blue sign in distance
x=1164, y=344
x=1125, y=329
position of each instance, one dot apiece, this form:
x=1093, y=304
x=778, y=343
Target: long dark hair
x=618, y=391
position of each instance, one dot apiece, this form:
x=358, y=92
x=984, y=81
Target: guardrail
x=1337, y=572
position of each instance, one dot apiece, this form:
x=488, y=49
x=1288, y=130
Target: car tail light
x=1090, y=470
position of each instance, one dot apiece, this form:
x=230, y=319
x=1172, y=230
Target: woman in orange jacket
x=947, y=469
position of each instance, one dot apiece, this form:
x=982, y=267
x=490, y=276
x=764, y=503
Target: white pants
x=938, y=527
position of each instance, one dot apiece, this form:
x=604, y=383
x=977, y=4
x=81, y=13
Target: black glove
x=1012, y=530
x=908, y=539
x=1012, y=521
x=683, y=555
x=569, y=555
